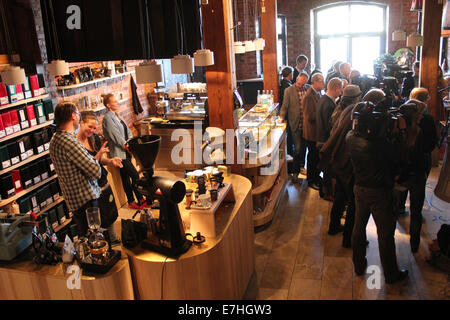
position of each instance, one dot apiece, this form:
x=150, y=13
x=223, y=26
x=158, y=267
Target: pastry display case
x=256, y=125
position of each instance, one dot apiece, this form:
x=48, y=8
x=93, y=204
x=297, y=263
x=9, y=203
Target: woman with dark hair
x=117, y=133
x=93, y=144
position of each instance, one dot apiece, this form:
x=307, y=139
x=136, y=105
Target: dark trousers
x=313, y=174
x=377, y=202
x=128, y=172
x=343, y=197
x=79, y=217
x=299, y=152
x=289, y=140
x=416, y=186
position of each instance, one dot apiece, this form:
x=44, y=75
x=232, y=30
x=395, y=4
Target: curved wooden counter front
x=28, y=281
x=219, y=268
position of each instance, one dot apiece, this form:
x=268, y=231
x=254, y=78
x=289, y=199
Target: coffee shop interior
x=208, y=187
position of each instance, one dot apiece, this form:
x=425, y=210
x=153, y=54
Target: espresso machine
x=168, y=236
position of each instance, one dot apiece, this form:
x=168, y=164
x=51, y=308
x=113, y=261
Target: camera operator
x=410, y=83
x=376, y=147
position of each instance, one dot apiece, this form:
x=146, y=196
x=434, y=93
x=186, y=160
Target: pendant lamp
x=182, y=64
x=414, y=40
x=203, y=58
x=446, y=16
x=249, y=46
x=260, y=43
x=13, y=75
x=398, y=35
x=148, y=72
x=239, y=47
x=58, y=68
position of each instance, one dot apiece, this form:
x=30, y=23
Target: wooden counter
x=28, y=281
x=219, y=268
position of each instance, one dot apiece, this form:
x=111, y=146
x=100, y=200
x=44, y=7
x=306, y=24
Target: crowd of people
x=362, y=154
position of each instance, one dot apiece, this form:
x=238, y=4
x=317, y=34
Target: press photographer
x=376, y=146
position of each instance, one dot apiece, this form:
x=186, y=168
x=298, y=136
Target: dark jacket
x=137, y=108
x=374, y=162
x=283, y=85
x=325, y=108
x=408, y=84
x=309, y=104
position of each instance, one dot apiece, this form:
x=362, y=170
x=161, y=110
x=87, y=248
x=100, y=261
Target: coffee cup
x=204, y=200
x=214, y=194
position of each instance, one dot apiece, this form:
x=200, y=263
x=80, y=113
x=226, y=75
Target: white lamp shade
x=414, y=40
x=260, y=43
x=203, y=58
x=239, y=47
x=182, y=64
x=148, y=72
x=58, y=68
x=13, y=75
x=249, y=46
x=398, y=35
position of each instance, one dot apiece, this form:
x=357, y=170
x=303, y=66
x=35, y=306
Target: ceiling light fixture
x=148, y=72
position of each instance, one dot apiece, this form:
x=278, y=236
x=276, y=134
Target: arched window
x=352, y=31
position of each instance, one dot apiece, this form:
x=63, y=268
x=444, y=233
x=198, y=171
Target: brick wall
x=298, y=21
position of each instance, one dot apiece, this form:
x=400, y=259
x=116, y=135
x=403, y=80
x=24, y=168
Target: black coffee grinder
x=169, y=237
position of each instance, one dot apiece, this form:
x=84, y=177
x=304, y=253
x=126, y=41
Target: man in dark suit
x=309, y=104
x=285, y=83
x=292, y=108
x=300, y=64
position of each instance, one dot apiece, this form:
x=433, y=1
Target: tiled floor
x=296, y=258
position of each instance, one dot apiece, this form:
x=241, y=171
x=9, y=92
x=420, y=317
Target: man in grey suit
x=292, y=107
x=117, y=133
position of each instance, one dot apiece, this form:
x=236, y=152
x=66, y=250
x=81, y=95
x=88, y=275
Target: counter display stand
x=219, y=268
x=28, y=281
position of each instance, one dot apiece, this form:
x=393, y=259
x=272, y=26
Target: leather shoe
x=332, y=232
x=360, y=271
x=402, y=274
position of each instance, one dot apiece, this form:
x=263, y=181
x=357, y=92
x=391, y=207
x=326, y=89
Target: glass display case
x=256, y=125
x=186, y=106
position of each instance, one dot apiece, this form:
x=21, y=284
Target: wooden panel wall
x=269, y=33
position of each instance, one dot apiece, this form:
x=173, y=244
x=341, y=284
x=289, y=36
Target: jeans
x=79, y=217
x=377, y=202
x=127, y=172
x=313, y=174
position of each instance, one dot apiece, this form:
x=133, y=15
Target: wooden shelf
x=22, y=163
x=54, y=204
x=269, y=181
x=18, y=103
x=26, y=191
x=83, y=84
x=62, y=226
x=24, y=132
x=264, y=217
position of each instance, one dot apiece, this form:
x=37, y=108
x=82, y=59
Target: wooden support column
x=220, y=77
x=217, y=23
x=269, y=33
x=429, y=61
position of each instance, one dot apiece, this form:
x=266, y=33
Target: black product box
x=53, y=218
x=39, y=113
x=42, y=164
x=51, y=130
x=48, y=194
x=24, y=205
x=35, y=173
x=34, y=202
x=49, y=110
x=73, y=232
x=38, y=143
x=27, y=179
x=5, y=160
x=23, y=118
x=12, y=94
x=45, y=139
x=61, y=214
x=7, y=188
x=50, y=167
x=43, y=222
x=14, y=152
x=42, y=198
x=54, y=190
x=26, y=89
x=28, y=144
x=69, y=214
x=41, y=82
x=23, y=152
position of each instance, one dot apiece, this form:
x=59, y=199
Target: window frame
x=350, y=35
x=283, y=37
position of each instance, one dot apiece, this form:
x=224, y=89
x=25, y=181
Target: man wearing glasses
x=77, y=170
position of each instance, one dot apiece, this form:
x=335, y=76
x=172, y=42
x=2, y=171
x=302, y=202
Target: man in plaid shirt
x=77, y=170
